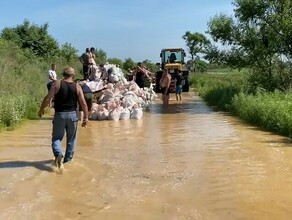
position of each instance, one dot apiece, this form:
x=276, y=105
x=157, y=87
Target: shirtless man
x=165, y=84
x=141, y=74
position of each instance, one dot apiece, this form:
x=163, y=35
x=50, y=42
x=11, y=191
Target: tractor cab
x=172, y=56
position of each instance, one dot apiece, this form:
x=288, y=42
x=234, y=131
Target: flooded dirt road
x=184, y=162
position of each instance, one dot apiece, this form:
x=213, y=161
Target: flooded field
x=183, y=162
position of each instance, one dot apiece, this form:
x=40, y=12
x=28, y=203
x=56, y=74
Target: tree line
x=36, y=40
x=257, y=37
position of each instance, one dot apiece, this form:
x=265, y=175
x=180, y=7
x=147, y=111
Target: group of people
x=142, y=74
x=88, y=60
x=165, y=82
x=89, y=66
x=68, y=94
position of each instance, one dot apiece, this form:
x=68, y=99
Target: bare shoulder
x=56, y=86
x=79, y=89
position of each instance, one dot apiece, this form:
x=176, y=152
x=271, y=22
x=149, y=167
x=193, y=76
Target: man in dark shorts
x=178, y=86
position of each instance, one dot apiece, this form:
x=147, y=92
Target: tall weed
x=218, y=89
x=272, y=111
x=269, y=110
x=23, y=79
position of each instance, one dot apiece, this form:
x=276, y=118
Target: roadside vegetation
x=231, y=92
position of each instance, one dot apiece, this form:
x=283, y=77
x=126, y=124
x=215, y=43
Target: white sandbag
x=95, y=85
x=145, y=104
x=125, y=114
x=125, y=81
x=95, y=73
x=114, y=114
x=114, y=78
x=129, y=93
x=137, y=113
x=129, y=101
x=93, y=115
x=94, y=107
x=102, y=115
x=107, y=98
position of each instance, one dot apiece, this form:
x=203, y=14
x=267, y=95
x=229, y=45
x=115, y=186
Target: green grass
x=23, y=79
x=272, y=111
x=218, y=89
x=228, y=92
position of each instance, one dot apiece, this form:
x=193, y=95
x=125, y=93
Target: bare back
x=165, y=80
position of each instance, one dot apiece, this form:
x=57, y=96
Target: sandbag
x=114, y=78
x=93, y=115
x=114, y=114
x=125, y=114
x=137, y=113
x=102, y=115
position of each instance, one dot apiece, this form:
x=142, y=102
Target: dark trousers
x=85, y=72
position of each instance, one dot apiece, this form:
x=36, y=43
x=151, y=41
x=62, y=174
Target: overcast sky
x=136, y=29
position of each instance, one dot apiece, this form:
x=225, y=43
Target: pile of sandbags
x=120, y=99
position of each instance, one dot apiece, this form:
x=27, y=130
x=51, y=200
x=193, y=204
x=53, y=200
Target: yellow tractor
x=173, y=60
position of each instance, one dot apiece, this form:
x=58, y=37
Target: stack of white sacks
x=120, y=99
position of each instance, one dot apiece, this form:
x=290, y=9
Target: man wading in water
x=164, y=85
x=66, y=94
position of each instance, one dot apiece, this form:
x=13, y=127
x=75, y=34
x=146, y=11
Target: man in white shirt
x=52, y=76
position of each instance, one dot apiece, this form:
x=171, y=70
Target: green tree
x=129, y=64
x=259, y=37
x=32, y=37
x=196, y=43
x=100, y=56
x=68, y=52
x=115, y=61
x=151, y=66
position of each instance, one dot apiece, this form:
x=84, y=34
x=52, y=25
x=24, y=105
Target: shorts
x=163, y=91
x=178, y=89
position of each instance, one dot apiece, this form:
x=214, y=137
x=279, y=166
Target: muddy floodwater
x=183, y=162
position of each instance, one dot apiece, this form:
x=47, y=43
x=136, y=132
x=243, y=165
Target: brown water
x=186, y=162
